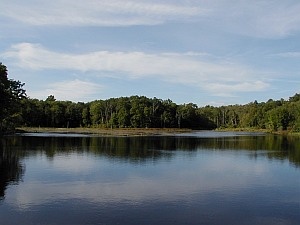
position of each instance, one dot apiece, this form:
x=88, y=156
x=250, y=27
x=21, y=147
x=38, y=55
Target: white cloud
x=262, y=19
x=183, y=68
x=98, y=13
x=225, y=89
x=74, y=90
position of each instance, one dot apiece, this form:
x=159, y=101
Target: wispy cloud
x=226, y=90
x=262, y=19
x=288, y=54
x=182, y=68
x=98, y=13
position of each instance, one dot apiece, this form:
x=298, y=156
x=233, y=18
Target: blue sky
x=215, y=52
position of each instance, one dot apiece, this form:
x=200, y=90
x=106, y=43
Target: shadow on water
x=136, y=149
x=11, y=169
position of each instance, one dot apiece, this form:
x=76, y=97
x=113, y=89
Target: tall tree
x=11, y=93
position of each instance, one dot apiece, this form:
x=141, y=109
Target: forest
x=140, y=112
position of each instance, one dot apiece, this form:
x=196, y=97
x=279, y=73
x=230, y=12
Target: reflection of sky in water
x=202, y=186
x=100, y=181
x=45, y=134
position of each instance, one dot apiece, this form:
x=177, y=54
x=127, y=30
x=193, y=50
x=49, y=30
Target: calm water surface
x=196, y=178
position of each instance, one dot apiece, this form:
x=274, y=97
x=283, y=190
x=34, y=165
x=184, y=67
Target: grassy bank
x=247, y=129
x=105, y=132
x=283, y=132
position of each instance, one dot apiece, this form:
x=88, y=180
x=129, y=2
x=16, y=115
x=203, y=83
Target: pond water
x=192, y=178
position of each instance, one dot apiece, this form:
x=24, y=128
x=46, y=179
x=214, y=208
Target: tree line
x=143, y=112
x=123, y=112
x=274, y=115
x=140, y=112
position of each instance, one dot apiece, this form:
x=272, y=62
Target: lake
x=192, y=178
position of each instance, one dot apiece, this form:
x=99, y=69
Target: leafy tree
x=32, y=111
x=97, y=112
x=187, y=117
x=295, y=98
x=123, y=112
x=11, y=93
x=168, y=115
x=137, y=113
x=86, y=116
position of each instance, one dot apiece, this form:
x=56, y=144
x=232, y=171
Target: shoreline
x=267, y=131
x=105, y=131
x=139, y=131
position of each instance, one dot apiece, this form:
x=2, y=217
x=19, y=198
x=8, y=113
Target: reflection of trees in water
x=141, y=149
x=276, y=147
x=11, y=170
x=136, y=149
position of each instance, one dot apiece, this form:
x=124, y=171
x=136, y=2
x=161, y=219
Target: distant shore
x=280, y=132
x=105, y=131
x=137, y=131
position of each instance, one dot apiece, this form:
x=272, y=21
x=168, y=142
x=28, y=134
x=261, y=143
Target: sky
x=208, y=52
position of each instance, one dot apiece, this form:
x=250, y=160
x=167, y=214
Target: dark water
x=199, y=178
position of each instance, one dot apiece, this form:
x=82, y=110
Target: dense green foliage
x=272, y=115
x=143, y=112
x=124, y=112
x=140, y=112
x=11, y=93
